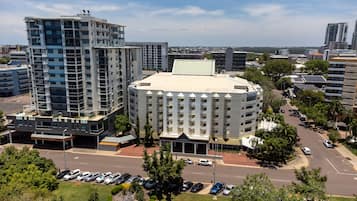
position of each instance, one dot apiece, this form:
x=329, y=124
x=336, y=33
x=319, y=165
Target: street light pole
x=215, y=156
x=64, y=149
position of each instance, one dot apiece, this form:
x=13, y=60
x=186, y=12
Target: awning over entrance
x=115, y=141
x=53, y=138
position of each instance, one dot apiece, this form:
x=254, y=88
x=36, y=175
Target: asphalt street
x=342, y=179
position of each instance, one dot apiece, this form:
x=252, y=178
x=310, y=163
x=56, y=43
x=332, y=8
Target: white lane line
x=337, y=171
x=332, y=166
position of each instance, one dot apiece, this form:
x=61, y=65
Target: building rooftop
x=279, y=57
x=185, y=78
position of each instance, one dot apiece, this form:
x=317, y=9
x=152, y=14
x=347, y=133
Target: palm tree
x=353, y=127
x=335, y=109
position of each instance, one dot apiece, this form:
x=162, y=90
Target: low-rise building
x=192, y=106
x=14, y=80
x=229, y=60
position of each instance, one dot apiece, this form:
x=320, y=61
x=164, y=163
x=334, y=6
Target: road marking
x=337, y=171
x=83, y=163
x=332, y=165
x=76, y=157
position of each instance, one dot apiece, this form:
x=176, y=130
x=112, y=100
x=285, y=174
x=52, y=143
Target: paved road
x=342, y=179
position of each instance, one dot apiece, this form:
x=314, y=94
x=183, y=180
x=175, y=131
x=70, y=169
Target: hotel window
x=204, y=100
x=228, y=116
x=248, y=129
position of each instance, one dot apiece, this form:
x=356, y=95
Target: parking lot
x=116, y=178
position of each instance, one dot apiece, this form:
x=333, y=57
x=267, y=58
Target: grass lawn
x=78, y=191
x=196, y=197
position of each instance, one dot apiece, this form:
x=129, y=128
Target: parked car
x=186, y=185
x=74, y=174
x=102, y=177
x=112, y=178
x=132, y=179
x=197, y=187
x=93, y=177
x=217, y=188
x=228, y=189
x=306, y=150
x=149, y=184
x=205, y=162
x=328, y=144
x=188, y=161
x=141, y=181
x=63, y=173
x=83, y=175
x=123, y=178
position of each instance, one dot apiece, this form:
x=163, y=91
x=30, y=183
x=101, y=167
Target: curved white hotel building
x=191, y=107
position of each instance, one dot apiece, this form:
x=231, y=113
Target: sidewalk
x=299, y=162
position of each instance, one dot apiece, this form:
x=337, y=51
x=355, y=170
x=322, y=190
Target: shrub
x=117, y=189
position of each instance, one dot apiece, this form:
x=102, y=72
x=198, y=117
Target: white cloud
x=258, y=10
x=188, y=10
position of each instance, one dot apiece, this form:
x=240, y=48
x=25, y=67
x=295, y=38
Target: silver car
x=306, y=150
x=228, y=189
x=328, y=144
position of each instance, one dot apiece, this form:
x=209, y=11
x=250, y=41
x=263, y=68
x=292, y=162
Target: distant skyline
x=195, y=22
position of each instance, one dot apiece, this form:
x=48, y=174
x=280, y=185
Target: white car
x=83, y=175
x=306, y=150
x=111, y=178
x=74, y=174
x=328, y=144
x=188, y=161
x=205, y=162
x=228, y=189
x=102, y=177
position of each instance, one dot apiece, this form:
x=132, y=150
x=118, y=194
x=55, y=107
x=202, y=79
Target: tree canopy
x=316, y=67
x=122, y=123
x=278, y=146
x=165, y=171
x=26, y=175
x=276, y=69
x=311, y=186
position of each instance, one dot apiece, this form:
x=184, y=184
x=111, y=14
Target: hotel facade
x=192, y=107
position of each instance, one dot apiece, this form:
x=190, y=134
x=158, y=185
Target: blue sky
x=195, y=22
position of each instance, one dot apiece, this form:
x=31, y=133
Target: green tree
x=137, y=130
x=122, y=123
x=276, y=69
x=4, y=60
x=265, y=57
x=333, y=136
x=2, y=120
x=278, y=145
x=165, y=171
x=353, y=127
x=148, y=138
x=24, y=174
x=208, y=56
x=316, y=67
x=311, y=184
x=310, y=97
x=335, y=110
x=94, y=196
x=283, y=83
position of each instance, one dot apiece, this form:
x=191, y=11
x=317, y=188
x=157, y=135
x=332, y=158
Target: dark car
x=197, y=187
x=123, y=178
x=149, y=184
x=61, y=174
x=217, y=188
x=92, y=177
x=186, y=185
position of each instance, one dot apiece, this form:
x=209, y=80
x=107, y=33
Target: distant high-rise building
x=229, y=60
x=154, y=54
x=354, y=38
x=335, y=37
x=80, y=71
